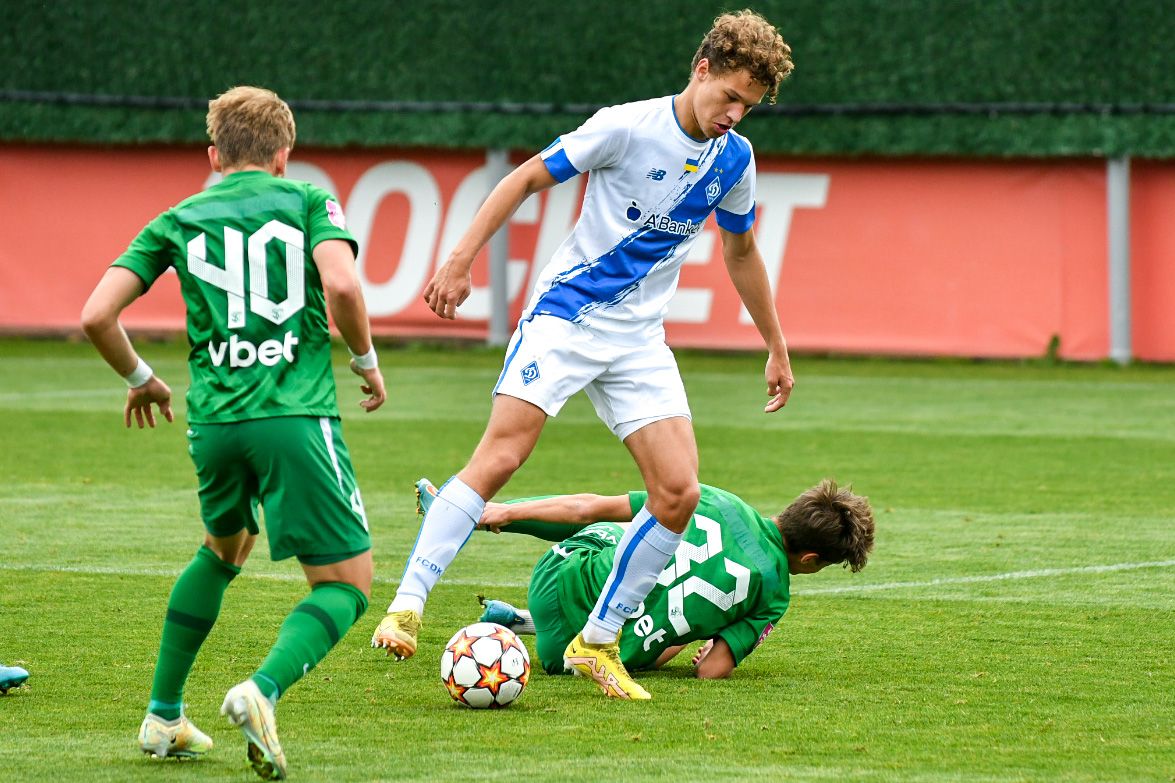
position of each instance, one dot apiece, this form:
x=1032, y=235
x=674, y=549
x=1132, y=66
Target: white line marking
x=872, y=381
x=32, y=396
x=962, y=580
x=247, y=574
x=868, y=588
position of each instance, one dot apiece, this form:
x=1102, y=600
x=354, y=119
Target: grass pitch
x=1016, y=622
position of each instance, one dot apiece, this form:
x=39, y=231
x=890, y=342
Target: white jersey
x=650, y=191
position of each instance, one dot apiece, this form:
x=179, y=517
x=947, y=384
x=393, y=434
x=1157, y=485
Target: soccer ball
x=485, y=665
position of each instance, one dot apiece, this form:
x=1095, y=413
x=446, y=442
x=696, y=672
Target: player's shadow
x=671, y=672
x=205, y=768
x=686, y=672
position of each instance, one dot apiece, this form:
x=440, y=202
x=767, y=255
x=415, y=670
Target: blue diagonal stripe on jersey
x=607, y=280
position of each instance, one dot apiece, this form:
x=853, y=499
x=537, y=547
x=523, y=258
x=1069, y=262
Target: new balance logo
x=243, y=353
x=656, y=175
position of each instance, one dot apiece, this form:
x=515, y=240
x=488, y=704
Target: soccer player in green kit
x=260, y=261
x=728, y=582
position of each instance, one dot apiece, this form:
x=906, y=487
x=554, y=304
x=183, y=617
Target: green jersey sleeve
x=637, y=500
x=149, y=254
x=326, y=220
x=748, y=633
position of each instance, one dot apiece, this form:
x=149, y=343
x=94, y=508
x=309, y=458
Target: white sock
x=401, y=602
x=525, y=624
x=641, y=556
x=445, y=529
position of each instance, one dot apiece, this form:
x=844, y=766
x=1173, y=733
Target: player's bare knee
x=363, y=586
x=673, y=503
x=505, y=464
x=231, y=549
x=491, y=469
x=356, y=571
x=360, y=578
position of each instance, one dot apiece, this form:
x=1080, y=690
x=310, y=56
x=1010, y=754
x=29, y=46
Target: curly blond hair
x=830, y=521
x=249, y=125
x=745, y=40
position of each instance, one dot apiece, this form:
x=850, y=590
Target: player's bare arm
x=114, y=292
x=562, y=509
x=450, y=286
x=713, y=660
x=344, y=298
x=744, y=264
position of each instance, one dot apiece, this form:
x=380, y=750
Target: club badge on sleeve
x=334, y=213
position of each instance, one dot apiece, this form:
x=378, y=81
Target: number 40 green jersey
x=728, y=579
x=256, y=313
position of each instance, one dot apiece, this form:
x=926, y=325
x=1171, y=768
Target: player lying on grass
x=728, y=582
x=263, y=421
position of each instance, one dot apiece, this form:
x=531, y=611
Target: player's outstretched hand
x=448, y=289
x=140, y=399
x=372, y=386
x=779, y=381
x=494, y=517
x=702, y=652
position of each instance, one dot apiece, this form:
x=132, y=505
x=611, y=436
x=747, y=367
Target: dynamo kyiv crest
x=713, y=190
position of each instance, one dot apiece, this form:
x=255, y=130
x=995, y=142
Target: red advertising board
x=990, y=259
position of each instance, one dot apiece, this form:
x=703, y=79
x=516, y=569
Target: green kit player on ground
x=728, y=582
x=260, y=260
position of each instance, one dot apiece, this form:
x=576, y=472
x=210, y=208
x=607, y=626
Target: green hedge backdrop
x=1116, y=55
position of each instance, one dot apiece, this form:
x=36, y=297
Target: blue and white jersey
x=650, y=191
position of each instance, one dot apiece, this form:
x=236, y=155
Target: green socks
x=191, y=612
x=308, y=634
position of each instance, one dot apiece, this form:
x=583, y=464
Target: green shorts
x=552, y=633
x=296, y=468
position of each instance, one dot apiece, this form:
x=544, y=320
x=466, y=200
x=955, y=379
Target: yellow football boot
x=247, y=709
x=602, y=663
x=177, y=738
x=397, y=633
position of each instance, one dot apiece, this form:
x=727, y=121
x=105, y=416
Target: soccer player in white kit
x=596, y=320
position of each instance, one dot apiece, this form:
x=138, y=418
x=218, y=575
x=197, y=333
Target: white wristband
x=368, y=361
x=140, y=375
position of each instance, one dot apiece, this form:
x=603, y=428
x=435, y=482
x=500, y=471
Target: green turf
x=984, y=642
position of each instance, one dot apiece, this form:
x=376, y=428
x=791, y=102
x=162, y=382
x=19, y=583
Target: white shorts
x=549, y=359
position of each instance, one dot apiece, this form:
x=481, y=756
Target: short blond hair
x=744, y=40
x=249, y=125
